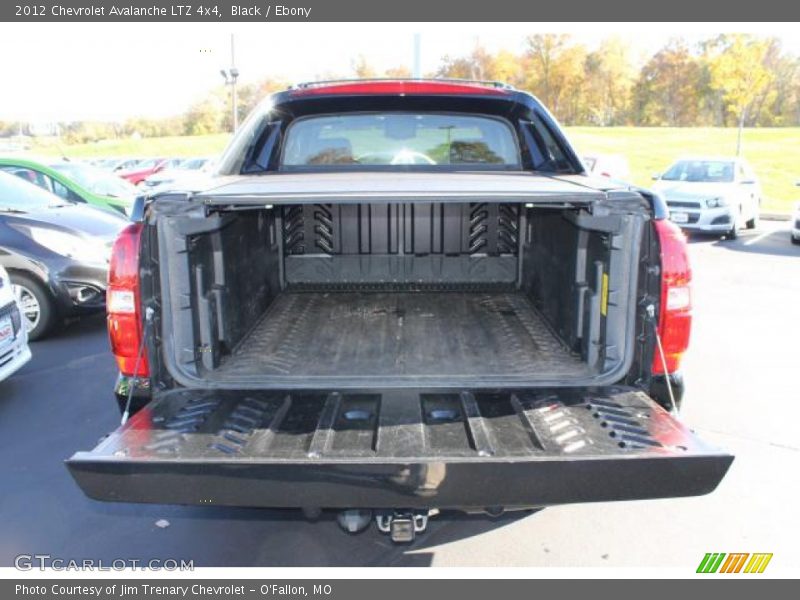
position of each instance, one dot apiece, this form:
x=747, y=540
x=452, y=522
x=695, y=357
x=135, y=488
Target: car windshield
x=16, y=194
x=96, y=180
x=720, y=171
x=400, y=139
x=193, y=163
x=148, y=163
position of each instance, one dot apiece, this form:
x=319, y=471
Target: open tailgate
x=409, y=449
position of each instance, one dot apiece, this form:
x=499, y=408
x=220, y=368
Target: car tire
x=733, y=233
x=795, y=240
x=753, y=223
x=36, y=305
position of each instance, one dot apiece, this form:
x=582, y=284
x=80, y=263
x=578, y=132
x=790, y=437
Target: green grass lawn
x=773, y=153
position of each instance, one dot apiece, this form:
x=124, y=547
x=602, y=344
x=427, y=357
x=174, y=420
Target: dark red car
x=145, y=168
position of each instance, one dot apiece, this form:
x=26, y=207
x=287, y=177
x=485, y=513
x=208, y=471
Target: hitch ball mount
x=402, y=526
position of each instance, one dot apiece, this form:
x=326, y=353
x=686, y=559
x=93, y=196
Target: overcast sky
x=57, y=71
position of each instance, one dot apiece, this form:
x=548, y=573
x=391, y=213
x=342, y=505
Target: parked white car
x=14, y=351
x=613, y=166
x=796, y=222
x=718, y=195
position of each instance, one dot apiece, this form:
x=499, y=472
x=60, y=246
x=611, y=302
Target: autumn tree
x=668, y=88
x=362, y=69
x=726, y=80
x=81, y=132
x=207, y=115
x=609, y=79
x=8, y=128
x=777, y=104
x=555, y=73
x=249, y=96
x=507, y=67
x=398, y=72
x=477, y=65
x=737, y=69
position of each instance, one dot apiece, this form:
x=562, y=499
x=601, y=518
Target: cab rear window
x=401, y=140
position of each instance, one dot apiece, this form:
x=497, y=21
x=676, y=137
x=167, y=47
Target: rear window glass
x=400, y=139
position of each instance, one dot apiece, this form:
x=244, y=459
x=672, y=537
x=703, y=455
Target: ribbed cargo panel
x=400, y=449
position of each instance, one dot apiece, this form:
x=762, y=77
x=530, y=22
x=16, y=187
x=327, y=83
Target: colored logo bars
x=719, y=562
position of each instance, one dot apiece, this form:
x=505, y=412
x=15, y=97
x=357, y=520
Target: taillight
x=123, y=303
x=675, y=314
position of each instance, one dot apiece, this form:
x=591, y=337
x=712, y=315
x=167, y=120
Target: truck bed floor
x=391, y=334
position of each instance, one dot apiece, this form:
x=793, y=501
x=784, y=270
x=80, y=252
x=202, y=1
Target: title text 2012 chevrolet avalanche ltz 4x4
x=397, y=297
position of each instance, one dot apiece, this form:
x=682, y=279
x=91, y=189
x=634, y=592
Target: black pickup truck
x=398, y=297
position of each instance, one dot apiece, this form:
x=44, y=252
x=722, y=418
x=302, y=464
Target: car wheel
x=35, y=304
x=753, y=223
x=795, y=240
x=733, y=233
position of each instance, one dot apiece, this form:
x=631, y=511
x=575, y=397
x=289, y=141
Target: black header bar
x=190, y=11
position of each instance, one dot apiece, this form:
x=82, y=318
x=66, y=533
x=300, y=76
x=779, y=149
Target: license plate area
x=6, y=330
x=679, y=217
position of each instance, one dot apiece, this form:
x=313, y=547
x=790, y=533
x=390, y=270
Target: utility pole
x=417, y=71
x=234, y=76
x=230, y=76
x=740, y=131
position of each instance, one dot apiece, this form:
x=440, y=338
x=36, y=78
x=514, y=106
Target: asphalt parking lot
x=743, y=394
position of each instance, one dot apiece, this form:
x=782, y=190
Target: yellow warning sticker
x=604, y=296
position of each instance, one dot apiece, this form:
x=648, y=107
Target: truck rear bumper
x=400, y=449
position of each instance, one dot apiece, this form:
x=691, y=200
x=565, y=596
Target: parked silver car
x=711, y=194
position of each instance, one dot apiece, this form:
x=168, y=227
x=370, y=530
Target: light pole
x=230, y=76
x=417, y=71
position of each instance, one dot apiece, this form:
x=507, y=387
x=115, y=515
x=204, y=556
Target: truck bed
x=395, y=334
x=349, y=295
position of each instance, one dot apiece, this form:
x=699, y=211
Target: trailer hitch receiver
x=402, y=526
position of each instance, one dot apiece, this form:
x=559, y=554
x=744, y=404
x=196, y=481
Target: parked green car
x=74, y=182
